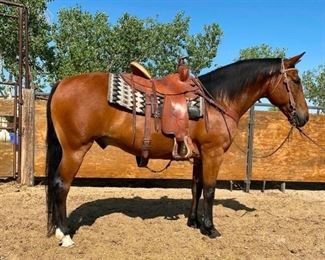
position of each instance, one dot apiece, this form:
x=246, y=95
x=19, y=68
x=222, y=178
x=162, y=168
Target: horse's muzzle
x=298, y=120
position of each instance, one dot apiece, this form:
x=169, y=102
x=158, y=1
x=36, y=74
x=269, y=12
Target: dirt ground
x=150, y=223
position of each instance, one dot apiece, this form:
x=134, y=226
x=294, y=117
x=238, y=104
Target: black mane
x=230, y=81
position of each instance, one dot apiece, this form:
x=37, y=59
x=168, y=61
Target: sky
x=297, y=25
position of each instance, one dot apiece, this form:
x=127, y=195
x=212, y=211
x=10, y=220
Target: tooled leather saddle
x=177, y=89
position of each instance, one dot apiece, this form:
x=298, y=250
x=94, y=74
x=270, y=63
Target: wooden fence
x=297, y=160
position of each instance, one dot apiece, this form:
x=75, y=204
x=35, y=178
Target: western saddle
x=176, y=89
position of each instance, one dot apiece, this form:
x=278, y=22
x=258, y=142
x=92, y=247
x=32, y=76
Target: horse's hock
x=297, y=160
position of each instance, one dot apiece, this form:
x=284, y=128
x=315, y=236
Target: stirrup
x=189, y=152
x=141, y=161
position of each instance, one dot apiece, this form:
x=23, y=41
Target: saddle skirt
x=175, y=99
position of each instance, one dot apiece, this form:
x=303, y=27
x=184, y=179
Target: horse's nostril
x=301, y=120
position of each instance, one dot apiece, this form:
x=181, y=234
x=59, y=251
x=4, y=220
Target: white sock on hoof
x=59, y=234
x=67, y=241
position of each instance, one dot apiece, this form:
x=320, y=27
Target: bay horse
x=78, y=115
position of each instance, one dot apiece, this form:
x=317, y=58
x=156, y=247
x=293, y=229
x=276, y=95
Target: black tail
x=53, y=159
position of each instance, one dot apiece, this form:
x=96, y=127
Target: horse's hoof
x=67, y=242
x=59, y=234
x=210, y=232
x=193, y=223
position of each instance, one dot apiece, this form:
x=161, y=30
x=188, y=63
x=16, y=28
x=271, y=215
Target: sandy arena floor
x=143, y=223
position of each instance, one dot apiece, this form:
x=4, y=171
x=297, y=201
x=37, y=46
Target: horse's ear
x=291, y=62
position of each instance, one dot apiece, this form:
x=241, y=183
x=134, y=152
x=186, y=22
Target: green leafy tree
x=262, y=51
x=202, y=47
x=81, y=42
x=40, y=51
x=131, y=39
x=314, y=84
x=86, y=42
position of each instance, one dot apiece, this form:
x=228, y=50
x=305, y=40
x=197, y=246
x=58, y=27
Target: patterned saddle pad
x=120, y=94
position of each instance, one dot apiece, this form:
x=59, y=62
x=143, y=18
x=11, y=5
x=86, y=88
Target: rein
x=292, y=105
x=207, y=96
x=271, y=153
x=310, y=139
x=283, y=142
x=254, y=156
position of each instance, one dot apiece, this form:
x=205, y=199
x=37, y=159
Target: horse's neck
x=243, y=102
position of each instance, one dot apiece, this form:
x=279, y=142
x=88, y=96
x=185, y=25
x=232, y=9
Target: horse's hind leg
x=197, y=186
x=68, y=168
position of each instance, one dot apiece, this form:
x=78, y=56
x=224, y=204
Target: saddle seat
x=172, y=84
x=176, y=89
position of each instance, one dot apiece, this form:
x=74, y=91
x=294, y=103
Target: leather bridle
x=287, y=81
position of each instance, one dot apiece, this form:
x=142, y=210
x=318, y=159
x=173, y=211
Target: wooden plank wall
x=6, y=149
x=298, y=160
x=114, y=163
x=6, y=159
x=6, y=107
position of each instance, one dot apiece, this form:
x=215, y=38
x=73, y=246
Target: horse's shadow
x=87, y=213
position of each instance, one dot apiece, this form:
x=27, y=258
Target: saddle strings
x=133, y=112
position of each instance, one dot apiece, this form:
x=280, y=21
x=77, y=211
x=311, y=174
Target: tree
x=202, y=47
x=262, y=51
x=81, y=42
x=40, y=51
x=314, y=83
x=158, y=45
x=86, y=42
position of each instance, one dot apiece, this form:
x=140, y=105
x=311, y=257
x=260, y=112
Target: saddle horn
x=183, y=70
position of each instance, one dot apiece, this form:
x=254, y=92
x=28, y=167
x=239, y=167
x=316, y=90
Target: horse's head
x=286, y=93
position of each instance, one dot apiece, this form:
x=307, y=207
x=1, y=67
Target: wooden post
x=249, y=158
x=263, y=186
x=28, y=122
x=283, y=186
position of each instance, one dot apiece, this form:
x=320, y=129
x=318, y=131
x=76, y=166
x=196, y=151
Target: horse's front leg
x=196, y=193
x=212, y=159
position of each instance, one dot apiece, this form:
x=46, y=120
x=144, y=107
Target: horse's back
x=82, y=86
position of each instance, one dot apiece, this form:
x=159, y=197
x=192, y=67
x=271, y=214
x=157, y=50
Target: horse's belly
x=160, y=146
